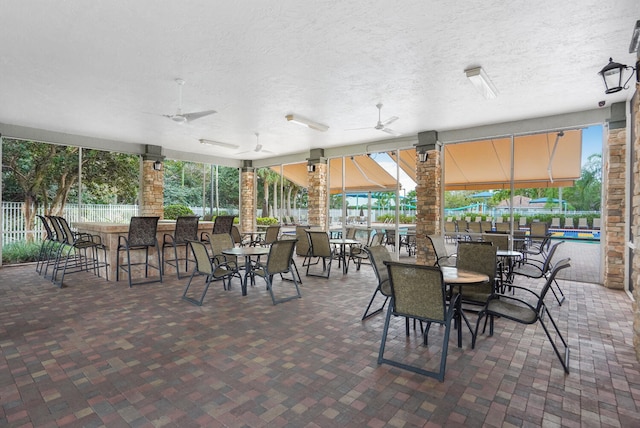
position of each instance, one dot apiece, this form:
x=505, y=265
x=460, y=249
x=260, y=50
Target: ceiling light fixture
x=306, y=122
x=481, y=81
x=613, y=75
x=219, y=144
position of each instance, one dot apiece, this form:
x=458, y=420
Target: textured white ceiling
x=106, y=69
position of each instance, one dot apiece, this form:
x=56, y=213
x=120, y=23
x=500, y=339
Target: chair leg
x=564, y=361
x=366, y=314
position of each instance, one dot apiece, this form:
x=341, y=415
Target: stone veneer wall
x=152, y=191
x=428, y=206
x=635, y=192
x=614, y=209
x=317, y=196
x=248, y=200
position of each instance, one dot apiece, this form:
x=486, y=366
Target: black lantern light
x=613, y=76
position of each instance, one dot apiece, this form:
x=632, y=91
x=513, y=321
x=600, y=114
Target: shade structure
x=486, y=164
x=363, y=174
x=407, y=162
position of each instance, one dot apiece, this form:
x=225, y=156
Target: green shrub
x=172, y=212
x=20, y=252
x=266, y=221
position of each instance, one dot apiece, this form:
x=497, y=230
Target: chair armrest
x=122, y=241
x=167, y=239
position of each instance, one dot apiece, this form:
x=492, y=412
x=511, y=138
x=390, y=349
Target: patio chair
x=555, y=223
x=451, y=231
x=596, y=223
x=237, y=237
x=48, y=245
x=391, y=238
x=418, y=292
x=536, y=269
x=522, y=223
x=527, y=312
x=204, y=265
x=320, y=248
x=378, y=254
x=486, y=226
x=504, y=227
x=80, y=253
x=222, y=224
x=442, y=257
x=60, y=239
x=302, y=244
x=279, y=261
x=186, y=230
x=141, y=237
x=218, y=242
x=582, y=223
x=478, y=257
x=270, y=236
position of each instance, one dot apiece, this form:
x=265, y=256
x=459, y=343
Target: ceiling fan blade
x=391, y=131
x=390, y=120
x=198, y=115
x=357, y=129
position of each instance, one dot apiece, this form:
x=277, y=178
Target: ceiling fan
x=382, y=125
x=258, y=148
x=180, y=117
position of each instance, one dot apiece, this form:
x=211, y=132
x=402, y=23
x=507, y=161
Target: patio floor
x=101, y=354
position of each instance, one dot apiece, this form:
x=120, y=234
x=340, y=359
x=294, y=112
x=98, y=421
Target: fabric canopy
x=363, y=174
x=477, y=165
x=487, y=164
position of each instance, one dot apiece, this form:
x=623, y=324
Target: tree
x=41, y=174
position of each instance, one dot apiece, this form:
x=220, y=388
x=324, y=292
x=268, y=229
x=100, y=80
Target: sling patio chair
x=80, y=252
x=205, y=265
x=320, y=249
x=441, y=255
x=270, y=236
x=536, y=269
x=221, y=224
x=279, y=261
x=141, y=238
x=48, y=245
x=186, y=230
x=378, y=254
x=218, y=242
x=528, y=311
x=418, y=292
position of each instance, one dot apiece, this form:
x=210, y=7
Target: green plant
x=172, y=212
x=266, y=221
x=20, y=252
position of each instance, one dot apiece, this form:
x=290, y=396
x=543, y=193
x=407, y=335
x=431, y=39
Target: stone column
x=317, y=195
x=152, y=183
x=247, y=197
x=614, y=202
x=635, y=192
x=428, y=194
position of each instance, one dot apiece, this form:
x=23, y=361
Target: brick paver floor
x=101, y=354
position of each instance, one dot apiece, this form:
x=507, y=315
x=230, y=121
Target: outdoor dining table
x=452, y=276
x=343, y=256
x=255, y=237
x=511, y=257
x=247, y=253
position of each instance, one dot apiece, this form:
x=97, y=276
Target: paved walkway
x=101, y=354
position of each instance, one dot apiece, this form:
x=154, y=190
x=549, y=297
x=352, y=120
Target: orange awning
x=363, y=174
x=407, y=162
x=487, y=164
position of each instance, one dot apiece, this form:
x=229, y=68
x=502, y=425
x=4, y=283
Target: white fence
x=14, y=228
x=13, y=221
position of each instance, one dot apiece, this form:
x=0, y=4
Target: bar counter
x=109, y=233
